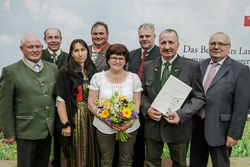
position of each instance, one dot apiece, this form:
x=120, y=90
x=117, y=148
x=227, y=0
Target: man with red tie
x=137, y=57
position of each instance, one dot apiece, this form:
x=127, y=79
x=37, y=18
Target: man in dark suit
x=175, y=128
x=53, y=53
x=147, y=51
x=99, y=35
x=27, y=103
x=220, y=124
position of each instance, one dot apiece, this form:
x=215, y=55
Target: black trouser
x=32, y=153
x=200, y=149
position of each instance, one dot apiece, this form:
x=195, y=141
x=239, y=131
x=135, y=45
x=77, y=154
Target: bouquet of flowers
x=117, y=110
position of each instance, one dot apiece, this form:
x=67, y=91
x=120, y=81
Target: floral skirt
x=84, y=151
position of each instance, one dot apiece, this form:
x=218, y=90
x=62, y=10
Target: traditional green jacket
x=27, y=104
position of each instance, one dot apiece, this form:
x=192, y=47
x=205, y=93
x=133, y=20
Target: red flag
x=247, y=21
x=247, y=16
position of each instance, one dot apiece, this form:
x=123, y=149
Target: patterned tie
x=53, y=57
x=165, y=74
x=208, y=81
x=141, y=66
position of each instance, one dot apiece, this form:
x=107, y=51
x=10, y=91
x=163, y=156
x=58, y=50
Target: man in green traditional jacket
x=27, y=104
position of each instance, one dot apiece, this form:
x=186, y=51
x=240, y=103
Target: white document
x=172, y=96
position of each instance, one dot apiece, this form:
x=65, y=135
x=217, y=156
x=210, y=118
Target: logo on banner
x=247, y=17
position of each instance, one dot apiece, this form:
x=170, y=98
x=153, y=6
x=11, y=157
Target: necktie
x=53, y=56
x=165, y=74
x=37, y=67
x=208, y=81
x=142, y=61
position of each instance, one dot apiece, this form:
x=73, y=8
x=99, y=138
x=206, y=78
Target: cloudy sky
x=194, y=20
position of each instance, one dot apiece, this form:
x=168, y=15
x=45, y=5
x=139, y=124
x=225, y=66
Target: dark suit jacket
x=135, y=58
x=62, y=61
x=187, y=71
x=227, y=102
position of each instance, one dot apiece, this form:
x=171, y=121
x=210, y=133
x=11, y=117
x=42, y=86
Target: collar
x=170, y=61
x=58, y=52
x=32, y=63
x=220, y=62
x=101, y=50
x=142, y=50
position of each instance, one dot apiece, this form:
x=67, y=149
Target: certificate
x=172, y=96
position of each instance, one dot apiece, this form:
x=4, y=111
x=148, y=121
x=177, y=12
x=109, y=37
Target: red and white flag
x=247, y=17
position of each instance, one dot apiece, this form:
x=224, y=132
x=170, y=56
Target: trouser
x=200, y=149
x=178, y=152
x=106, y=144
x=32, y=153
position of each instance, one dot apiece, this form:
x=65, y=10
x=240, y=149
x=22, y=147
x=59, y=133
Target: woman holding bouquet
x=103, y=86
x=76, y=133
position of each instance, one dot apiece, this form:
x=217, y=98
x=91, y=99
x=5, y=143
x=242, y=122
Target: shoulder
x=188, y=61
x=13, y=66
x=152, y=62
x=49, y=65
x=133, y=52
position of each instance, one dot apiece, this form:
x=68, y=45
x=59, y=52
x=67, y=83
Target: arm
x=62, y=112
x=7, y=113
x=196, y=98
x=241, y=103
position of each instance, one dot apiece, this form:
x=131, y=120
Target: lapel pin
x=155, y=69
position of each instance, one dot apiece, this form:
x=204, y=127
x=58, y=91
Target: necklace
x=117, y=76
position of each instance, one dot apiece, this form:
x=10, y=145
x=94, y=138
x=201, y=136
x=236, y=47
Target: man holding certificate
x=171, y=127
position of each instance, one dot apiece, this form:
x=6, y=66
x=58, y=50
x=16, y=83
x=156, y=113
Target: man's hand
x=175, y=120
x=154, y=114
x=10, y=141
x=231, y=141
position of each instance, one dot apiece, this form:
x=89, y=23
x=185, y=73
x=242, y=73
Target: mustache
x=167, y=50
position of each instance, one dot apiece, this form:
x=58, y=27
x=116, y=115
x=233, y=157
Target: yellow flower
x=109, y=104
x=105, y=113
x=126, y=112
x=122, y=97
x=104, y=101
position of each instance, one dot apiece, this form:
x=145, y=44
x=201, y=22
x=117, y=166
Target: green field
x=8, y=152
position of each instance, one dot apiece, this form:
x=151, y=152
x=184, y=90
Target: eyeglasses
x=117, y=58
x=220, y=45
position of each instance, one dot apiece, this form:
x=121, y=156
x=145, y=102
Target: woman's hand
x=66, y=131
x=124, y=126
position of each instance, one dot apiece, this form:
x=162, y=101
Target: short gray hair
x=147, y=26
x=169, y=31
x=23, y=39
x=222, y=33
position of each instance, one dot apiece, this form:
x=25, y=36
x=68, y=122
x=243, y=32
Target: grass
x=242, y=149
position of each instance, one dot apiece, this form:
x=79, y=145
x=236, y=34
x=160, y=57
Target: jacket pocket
x=225, y=117
x=24, y=117
x=148, y=83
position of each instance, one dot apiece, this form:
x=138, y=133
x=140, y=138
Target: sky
x=194, y=20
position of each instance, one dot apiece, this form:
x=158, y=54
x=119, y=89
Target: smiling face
x=219, y=46
x=79, y=53
x=32, y=48
x=146, y=38
x=116, y=62
x=53, y=39
x=99, y=35
x=168, y=43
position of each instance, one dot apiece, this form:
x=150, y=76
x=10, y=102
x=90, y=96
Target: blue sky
x=194, y=20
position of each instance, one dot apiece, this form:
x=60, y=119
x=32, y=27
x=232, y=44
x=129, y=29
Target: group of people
x=51, y=93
